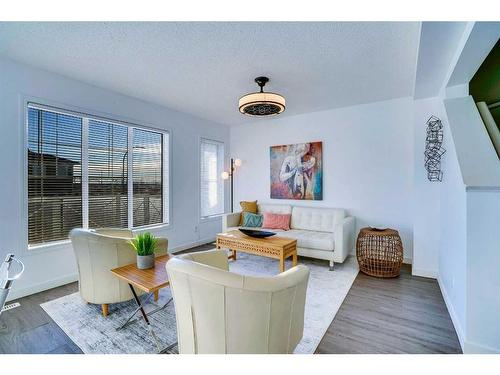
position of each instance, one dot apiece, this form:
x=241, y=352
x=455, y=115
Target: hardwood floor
x=28, y=329
x=403, y=315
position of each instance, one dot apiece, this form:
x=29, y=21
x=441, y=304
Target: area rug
x=94, y=334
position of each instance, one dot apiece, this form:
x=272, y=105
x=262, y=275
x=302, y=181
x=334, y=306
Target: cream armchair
x=222, y=312
x=98, y=251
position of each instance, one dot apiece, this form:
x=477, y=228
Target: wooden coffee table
x=149, y=281
x=274, y=247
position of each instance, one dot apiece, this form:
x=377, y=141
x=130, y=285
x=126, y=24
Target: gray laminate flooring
x=402, y=315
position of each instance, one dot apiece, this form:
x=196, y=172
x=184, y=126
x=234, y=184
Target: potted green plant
x=145, y=246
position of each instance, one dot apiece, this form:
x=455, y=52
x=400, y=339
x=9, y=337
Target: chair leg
x=332, y=264
x=105, y=309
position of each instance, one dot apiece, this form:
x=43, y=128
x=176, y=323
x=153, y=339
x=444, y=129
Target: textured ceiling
x=203, y=68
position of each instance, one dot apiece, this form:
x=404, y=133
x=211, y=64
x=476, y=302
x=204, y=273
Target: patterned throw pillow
x=247, y=207
x=251, y=220
x=276, y=221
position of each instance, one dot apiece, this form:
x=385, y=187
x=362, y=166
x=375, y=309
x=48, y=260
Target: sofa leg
x=105, y=309
x=331, y=265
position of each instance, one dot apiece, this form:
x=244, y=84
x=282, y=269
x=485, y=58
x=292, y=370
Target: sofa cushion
x=276, y=221
x=275, y=208
x=247, y=206
x=251, y=220
x=310, y=239
x=316, y=219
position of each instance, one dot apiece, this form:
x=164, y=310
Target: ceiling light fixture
x=262, y=103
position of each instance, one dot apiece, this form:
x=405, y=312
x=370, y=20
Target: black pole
x=123, y=171
x=231, y=175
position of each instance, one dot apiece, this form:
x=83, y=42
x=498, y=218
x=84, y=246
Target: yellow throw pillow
x=248, y=207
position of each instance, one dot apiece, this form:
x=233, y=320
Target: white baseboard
x=453, y=314
x=474, y=348
x=40, y=287
x=432, y=274
x=468, y=347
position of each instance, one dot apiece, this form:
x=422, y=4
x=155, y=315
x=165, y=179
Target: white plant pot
x=145, y=262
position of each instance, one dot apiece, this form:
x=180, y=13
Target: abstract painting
x=297, y=171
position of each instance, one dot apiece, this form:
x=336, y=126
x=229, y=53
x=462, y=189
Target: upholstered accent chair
x=98, y=251
x=222, y=312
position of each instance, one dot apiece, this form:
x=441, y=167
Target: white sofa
x=322, y=233
x=221, y=312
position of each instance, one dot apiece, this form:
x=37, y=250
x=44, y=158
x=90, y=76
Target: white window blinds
x=211, y=183
x=54, y=175
x=79, y=174
x=107, y=175
x=147, y=177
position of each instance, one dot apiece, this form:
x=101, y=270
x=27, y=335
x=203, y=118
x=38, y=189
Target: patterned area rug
x=93, y=333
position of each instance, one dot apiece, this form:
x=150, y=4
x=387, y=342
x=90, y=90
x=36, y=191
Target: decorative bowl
x=257, y=233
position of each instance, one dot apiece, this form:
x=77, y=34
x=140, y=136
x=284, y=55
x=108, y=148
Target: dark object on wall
x=379, y=252
x=433, y=149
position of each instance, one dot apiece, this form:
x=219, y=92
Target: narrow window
x=147, y=170
x=211, y=183
x=108, y=177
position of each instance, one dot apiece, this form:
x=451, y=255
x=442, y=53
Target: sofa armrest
x=230, y=220
x=344, y=239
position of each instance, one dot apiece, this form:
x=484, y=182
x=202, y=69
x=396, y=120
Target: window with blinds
x=54, y=175
x=80, y=175
x=107, y=175
x=147, y=167
x=211, y=184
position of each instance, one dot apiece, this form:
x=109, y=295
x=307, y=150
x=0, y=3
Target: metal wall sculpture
x=433, y=149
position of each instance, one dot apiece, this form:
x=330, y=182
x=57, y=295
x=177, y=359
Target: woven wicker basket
x=379, y=252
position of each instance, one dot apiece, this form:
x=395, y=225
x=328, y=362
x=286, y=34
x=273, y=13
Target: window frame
x=223, y=163
x=87, y=115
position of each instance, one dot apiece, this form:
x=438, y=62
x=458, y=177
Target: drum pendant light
x=262, y=103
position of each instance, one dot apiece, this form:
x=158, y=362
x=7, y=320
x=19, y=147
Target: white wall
x=439, y=230
x=470, y=241
x=477, y=156
x=483, y=275
x=453, y=231
x=456, y=224
x=367, y=160
x=54, y=266
x=438, y=42
x=426, y=202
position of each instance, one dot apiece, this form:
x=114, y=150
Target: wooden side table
x=150, y=281
x=379, y=252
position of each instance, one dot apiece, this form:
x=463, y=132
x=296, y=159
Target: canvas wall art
x=297, y=171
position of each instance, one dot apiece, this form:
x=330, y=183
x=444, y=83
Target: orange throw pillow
x=248, y=206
